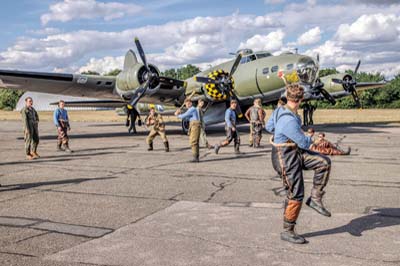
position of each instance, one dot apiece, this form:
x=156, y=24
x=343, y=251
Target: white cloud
x=181, y=42
x=103, y=65
x=45, y=31
x=312, y=2
x=371, y=28
x=270, y=42
x=274, y=2
x=312, y=36
x=375, y=2
x=88, y=9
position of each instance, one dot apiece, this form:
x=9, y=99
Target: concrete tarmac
x=112, y=202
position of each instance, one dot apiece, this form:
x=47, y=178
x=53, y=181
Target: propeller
x=349, y=84
x=150, y=77
x=320, y=86
x=225, y=83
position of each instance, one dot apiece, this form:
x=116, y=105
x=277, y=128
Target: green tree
x=327, y=71
x=114, y=72
x=182, y=73
x=90, y=72
x=9, y=98
x=170, y=73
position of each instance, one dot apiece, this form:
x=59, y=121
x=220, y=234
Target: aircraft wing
x=94, y=103
x=361, y=86
x=63, y=84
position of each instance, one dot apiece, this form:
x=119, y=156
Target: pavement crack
x=205, y=240
x=27, y=238
x=18, y=254
x=221, y=186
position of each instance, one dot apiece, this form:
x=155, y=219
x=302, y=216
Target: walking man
x=61, y=121
x=132, y=115
x=193, y=114
x=255, y=115
x=290, y=155
x=230, y=127
x=30, y=120
x=157, y=127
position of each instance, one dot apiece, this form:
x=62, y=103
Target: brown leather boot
x=150, y=148
x=315, y=202
x=290, y=235
x=29, y=157
x=59, y=148
x=236, y=148
x=67, y=149
x=35, y=155
x=166, y=145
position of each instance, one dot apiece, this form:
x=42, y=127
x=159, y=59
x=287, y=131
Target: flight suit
x=157, y=127
x=132, y=115
x=30, y=120
x=255, y=115
x=290, y=156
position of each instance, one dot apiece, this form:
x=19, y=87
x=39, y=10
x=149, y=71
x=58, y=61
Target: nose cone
x=307, y=70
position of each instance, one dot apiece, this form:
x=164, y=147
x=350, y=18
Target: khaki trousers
x=194, y=137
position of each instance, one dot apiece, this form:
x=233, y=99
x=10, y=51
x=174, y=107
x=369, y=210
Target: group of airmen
x=293, y=150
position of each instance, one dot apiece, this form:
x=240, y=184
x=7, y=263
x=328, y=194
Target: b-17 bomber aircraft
x=250, y=75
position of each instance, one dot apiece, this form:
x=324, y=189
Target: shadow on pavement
x=62, y=157
x=354, y=128
x=379, y=218
x=75, y=181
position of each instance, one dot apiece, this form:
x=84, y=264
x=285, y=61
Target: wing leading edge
x=63, y=84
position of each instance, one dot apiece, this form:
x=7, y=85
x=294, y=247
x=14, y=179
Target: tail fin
x=130, y=59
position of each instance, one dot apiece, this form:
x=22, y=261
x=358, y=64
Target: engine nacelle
x=133, y=77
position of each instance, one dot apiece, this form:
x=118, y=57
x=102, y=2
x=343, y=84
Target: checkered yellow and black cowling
x=215, y=91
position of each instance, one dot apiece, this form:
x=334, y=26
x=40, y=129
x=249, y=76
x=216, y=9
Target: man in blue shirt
x=61, y=121
x=290, y=155
x=230, y=127
x=193, y=115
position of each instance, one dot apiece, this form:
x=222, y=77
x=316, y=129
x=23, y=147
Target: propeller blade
x=357, y=67
x=328, y=96
x=206, y=80
x=338, y=81
x=141, y=53
x=356, y=98
x=235, y=64
x=318, y=58
x=139, y=93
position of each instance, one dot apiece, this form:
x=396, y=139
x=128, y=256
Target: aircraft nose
x=307, y=70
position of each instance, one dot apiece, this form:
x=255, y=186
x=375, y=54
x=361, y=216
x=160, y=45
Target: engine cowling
x=132, y=78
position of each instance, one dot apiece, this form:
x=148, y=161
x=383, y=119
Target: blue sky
x=76, y=35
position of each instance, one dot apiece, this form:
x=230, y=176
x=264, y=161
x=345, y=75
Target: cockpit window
x=274, y=69
x=266, y=71
x=262, y=55
x=247, y=59
x=289, y=67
